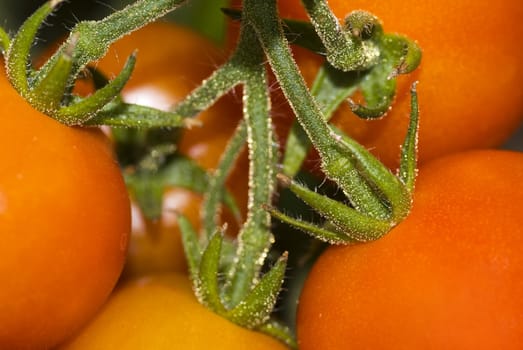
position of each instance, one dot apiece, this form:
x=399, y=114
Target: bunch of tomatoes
x=83, y=268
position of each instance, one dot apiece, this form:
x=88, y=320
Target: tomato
x=64, y=222
x=161, y=312
x=448, y=277
x=166, y=71
x=469, y=90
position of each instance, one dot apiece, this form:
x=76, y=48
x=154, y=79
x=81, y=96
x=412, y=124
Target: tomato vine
x=375, y=199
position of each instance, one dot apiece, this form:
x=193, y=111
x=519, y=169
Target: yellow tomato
x=161, y=312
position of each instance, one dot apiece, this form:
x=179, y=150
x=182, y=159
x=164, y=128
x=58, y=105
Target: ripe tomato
x=470, y=95
x=165, y=72
x=448, y=277
x=161, y=312
x=64, y=221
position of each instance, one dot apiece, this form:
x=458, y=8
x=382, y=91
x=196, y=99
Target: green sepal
x=5, y=41
x=93, y=38
x=387, y=186
x=411, y=58
x=398, y=55
x=120, y=114
x=84, y=109
x=207, y=286
x=19, y=49
x=279, y=331
x=355, y=225
x=49, y=88
x=47, y=95
x=257, y=306
x=321, y=233
x=408, y=161
x=191, y=245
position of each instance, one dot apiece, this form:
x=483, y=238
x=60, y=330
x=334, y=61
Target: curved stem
x=217, y=181
x=94, y=37
x=343, y=51
x=255, y=238
x=337, y=161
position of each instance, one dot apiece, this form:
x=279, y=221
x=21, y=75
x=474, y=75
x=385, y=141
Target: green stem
x=330, y=88
x=217, y=181
x=218, y=84
x=255, y=238
x=95, y=37
x=343, y=51
x=337, y=161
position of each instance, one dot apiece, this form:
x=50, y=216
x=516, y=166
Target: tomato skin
x=64, y=221
x=166, y=71
x=469, y=77
x=161, y=312
x=448, y=277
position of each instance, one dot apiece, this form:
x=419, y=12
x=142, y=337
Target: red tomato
x=164, y=74
x=64, y=221
x=470, y=93
x=161, y=312
x=448, y=277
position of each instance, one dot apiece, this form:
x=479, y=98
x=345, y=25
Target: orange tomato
x=448, y=277
x=469, y=77
x=64, y=222
x=161, y=312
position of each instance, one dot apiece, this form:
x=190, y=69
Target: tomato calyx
x=49, y=88
x=370, y=188
x=377, y=198
x=360, y=221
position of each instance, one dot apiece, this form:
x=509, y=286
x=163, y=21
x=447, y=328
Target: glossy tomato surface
x=161, y=312
x=171, y=62
x=469, y=78
x=64, y=223
x=448, y=277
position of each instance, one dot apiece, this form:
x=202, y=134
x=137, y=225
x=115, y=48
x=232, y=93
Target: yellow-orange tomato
x=161, y=312
x=448, y=277
x=171, y=62
x=469, y=78
x=64, y=223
